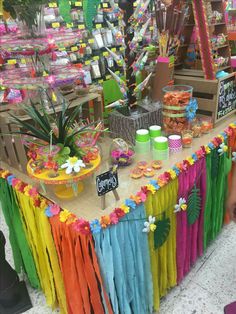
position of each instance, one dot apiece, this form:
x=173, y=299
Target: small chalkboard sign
x=107, y=182
x=227, y=97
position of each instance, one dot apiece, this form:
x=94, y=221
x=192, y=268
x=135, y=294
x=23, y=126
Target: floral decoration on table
x=223, y=149
x=181, y=206
x=150, y=225
x=58, y=143
x=95, y=226
x=191, y=109
x=121, y=153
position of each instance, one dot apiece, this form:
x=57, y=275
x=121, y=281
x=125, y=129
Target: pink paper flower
x=82, y=226
x=15, y=181
x=55, y=209
x=114, y=218
x=119, y=212
x=33, y=192
x=142, y=196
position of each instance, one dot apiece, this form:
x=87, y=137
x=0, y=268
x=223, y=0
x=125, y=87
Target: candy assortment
x=176, y=100
x=146, y=170
x=187, y=138
x=207, y=124
x=196, y=127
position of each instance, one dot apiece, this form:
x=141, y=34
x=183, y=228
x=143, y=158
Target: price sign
x=107, y=182
x=227, y=96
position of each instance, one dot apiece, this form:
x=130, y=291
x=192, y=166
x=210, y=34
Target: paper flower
x=15, y=181
x=95, y=226
x=173, y=174
x=105, y=221
x=223, y=149
x=73, y=164
x=130, y=203
x=151, y=188
x=114, y=218
x=64, y=215
x=191, y=109
x=154, y=183
x=207, y=149
x=33, y=192
x=119, y=212
x=181, y=206
x=125, y=208
x=10, y=178
x=55, y=209
x=176, y=170
x=142, y=196
x=234, y=156
x=48, y=212
x=82, y=226
x=150, y=225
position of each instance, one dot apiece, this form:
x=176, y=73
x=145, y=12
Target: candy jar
x=196, y=127
x=207, y=124
x=121, y=153
x=176, y=101
x=187, y=138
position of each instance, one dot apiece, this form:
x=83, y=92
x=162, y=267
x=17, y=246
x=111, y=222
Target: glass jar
x=187, y=138
x=121, y=153
x=176, y=100
x=207, y=124
x=196, y=127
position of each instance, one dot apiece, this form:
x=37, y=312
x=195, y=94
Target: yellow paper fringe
x=38, y=233
x=163, y=260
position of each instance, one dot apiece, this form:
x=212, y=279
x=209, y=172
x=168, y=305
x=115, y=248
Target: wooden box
x=215, y=97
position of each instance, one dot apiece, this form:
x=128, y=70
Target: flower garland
x=85, y=227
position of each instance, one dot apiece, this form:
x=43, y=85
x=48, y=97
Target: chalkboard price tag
x=107, y=182
x=227, y=97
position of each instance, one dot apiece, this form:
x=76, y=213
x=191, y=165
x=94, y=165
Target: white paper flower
x=223, y=149
x=73, y=164
x=150, y=225
x=234, y=156
x=181, y=206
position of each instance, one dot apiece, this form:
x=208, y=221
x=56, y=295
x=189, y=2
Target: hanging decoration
x=223, y=149
x=194, y=205
x=161, y=232
x=181, y=205
x=65, y=8
x=90, y=10
x=150, y=225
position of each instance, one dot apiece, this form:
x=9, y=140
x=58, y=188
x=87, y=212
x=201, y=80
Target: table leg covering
x=190, y=237
x=39, y=235
x=21, y=250
x=124, y=260
x=163, y=260
x=232, y=146
x=217, y=184
x=83, y=284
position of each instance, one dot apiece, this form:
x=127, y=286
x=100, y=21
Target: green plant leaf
x=194, y=205
x=162, y=232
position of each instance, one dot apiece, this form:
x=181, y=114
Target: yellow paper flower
x=160, y=182
x=184, y=207
x=5, y=174
x=208, y=150
x=43, y=204
x=151, y=188
x=172, y=174
x=153, y=227
x=190, y=160
x=64, y=215
x=125, y=208
x=27, y=189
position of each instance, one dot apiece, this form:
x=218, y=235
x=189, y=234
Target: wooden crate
x=215, y=97
x=12, y=151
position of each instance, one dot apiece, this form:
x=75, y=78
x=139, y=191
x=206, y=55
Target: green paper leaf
x=194, y=205
x=90, y=8
x=162, y=232
x=64, y=9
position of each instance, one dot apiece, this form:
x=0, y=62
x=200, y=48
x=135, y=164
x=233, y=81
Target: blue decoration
x=191, y=109
x=95, y=226
x=154, y=183
x=194, y=156
x=10, y=178
x=48, y=212
x=130, y=203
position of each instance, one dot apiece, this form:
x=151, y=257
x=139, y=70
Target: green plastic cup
x=142, y=135
x=160, y=143
x=155, y=131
